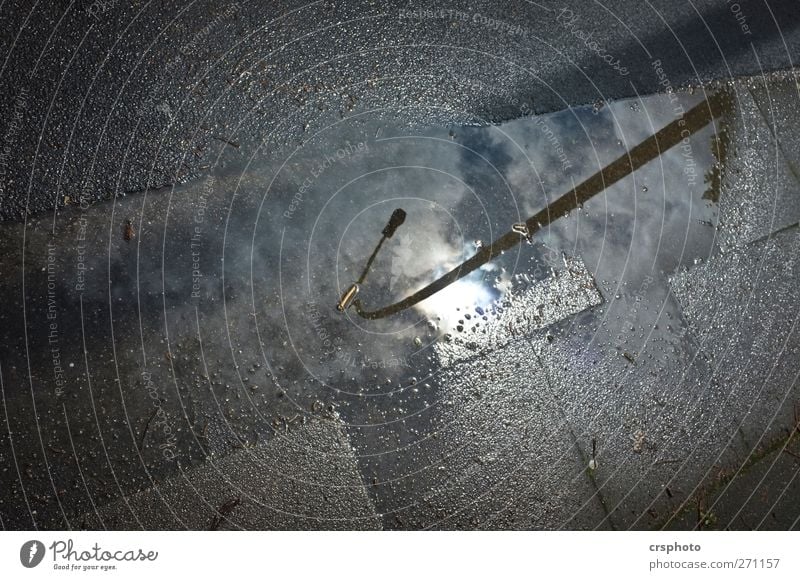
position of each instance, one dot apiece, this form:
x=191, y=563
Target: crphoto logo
x=31, y=553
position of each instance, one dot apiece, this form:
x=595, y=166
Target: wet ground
x=115, y=97
x=632, y=363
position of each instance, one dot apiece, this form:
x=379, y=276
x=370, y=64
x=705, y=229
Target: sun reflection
x=481, y=289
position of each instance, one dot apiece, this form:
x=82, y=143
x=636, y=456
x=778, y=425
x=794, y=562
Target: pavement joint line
x=778, y=141
x=723, y=477
x=576, y=444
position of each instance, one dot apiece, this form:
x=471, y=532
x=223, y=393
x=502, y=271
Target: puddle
x=223, y=294
x=259, y=256
x=489, y=213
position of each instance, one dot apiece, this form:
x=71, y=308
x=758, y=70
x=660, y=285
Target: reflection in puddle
x=226, y=293
x=482, y=289
x=217, y=301
x=525, y=308
x=498, y=237
x=677, y=132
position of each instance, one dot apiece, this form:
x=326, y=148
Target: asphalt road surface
x=186, y=192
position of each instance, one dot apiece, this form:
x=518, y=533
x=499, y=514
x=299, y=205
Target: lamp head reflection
x=397, y=219
x=651, y=148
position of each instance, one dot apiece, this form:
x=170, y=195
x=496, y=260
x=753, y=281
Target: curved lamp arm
x=691, y=122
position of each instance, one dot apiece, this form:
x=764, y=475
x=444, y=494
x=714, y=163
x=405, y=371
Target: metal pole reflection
x=649, y=149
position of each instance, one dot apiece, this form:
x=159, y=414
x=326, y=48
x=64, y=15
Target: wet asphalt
x=187, y=190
